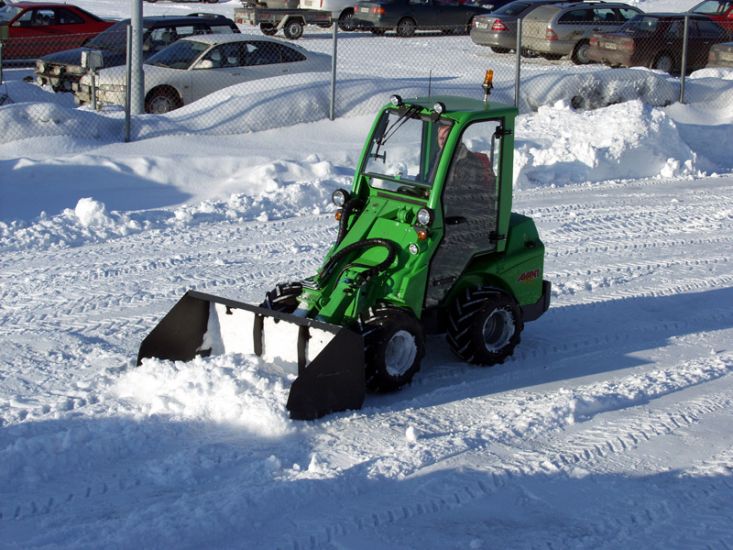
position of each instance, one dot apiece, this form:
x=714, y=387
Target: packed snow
x=609, y=427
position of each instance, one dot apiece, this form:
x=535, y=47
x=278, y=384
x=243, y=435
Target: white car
x=194, y=67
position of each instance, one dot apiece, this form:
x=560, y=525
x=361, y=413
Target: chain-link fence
x=564, y=55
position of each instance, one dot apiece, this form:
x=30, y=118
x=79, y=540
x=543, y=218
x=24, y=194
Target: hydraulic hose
x=349, y=207
x=364, y=277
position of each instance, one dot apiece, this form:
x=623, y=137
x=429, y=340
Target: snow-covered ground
x=611, y=426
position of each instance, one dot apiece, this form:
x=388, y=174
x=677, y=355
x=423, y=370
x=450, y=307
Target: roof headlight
x=339, y=197
x=439, y=108
x=396, y=100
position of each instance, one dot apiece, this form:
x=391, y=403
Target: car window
x=289, y=55
x=605, y=16
x=627, y=13
x=576, y=17
x=179, y=55
x=221, y=29
x=674, y=30
x=226, y=56
x=262, y=53
x=35, y=18
x=182, y=31
x=713, y=7
x=707, y=28
x=67, y=17
x=159, y=38
x=512, y=8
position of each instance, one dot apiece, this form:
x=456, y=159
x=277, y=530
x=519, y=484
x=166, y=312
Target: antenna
x=430, y=82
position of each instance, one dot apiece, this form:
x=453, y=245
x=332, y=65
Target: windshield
x=512, y=8
x=113, y=38
x=179, y=55
x=398, y=160
x=712, y=7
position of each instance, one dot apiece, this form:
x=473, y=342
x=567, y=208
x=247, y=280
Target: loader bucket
x=330, y=358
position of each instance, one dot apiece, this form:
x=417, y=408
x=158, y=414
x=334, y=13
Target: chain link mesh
x=371, y=64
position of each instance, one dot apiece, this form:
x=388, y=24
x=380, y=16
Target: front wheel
x=484, y=326
x=346, y=21
x=394, y=346
x=580, y=53
x=162, y=100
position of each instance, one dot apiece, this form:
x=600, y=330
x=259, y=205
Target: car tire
x=268, y=29
x=406, y=27
x=663, y=62
x=346, y=21
x=293, y=29
x=580, y=53
x=161, y=100
x=394, y=346
x=497, y=49
x=484, y=325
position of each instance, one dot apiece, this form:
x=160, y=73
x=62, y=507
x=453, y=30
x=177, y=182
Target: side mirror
x=204, y=64
x=92, y=60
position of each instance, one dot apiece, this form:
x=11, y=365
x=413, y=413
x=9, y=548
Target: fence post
x=518, y=64
x=332, y=107
x=683, y=67
x=128, y=83
x=137, y=74
x=1, y=62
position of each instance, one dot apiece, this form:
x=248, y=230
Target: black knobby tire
x=406, y=27
x=293, y=29
x=394, y=346
x=484, y=325
x=284, y=297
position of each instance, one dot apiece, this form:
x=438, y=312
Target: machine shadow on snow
x=196, y=477
x=569, y=342
x=52, y=190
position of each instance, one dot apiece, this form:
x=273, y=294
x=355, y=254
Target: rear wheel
x=346, y=21
x=663, y=62
x=580, y=53
x=293, y=29
x=406, y=27
x=162, y=100
x=484, y=326
x=394, y=345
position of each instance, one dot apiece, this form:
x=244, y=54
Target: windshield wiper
x=408, y=113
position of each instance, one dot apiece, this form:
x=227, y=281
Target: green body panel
x=515, y=264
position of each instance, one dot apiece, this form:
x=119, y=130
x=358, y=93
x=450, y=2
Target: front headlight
x=340, y=197
x=112, y=87
x=40, y=66
x=425, y=216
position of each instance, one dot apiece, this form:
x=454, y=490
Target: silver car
x=194, y=67
x=557, y=30
x=498, y=30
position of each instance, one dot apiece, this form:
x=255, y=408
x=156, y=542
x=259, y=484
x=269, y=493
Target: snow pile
x=558, y=146
x=231, y=389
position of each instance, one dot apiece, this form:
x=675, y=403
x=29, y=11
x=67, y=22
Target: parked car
x=341, y=11
x=721, y=55
x=60, y=70
x=408, y=16
x=498, y=29
x=556, y=30
x=33, y=29
x=654, y=40
x=194, y=67
x=207, y=1
x=720, y=11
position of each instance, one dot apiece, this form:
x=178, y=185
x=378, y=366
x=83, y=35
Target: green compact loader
x=427, y=242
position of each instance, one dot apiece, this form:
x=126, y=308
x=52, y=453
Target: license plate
x=610, y=45
x=363, y=10
x=482, y=25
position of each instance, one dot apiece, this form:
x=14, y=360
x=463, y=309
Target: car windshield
x=713, y=7
x=113, y=38
x=403, y=152
x=8, y=11
x=179, y=55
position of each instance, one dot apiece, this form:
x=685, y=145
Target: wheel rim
x=161, y=104
x=498, y=329
x=406, y=28
x=582, y=54
x=400, y=353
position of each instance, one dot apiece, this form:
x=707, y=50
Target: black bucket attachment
x=330, y=358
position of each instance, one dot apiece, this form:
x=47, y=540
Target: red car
x=720, y=11
x=32, y=29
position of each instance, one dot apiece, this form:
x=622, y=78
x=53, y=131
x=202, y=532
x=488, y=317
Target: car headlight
x=112, y=87
x=40, y=66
